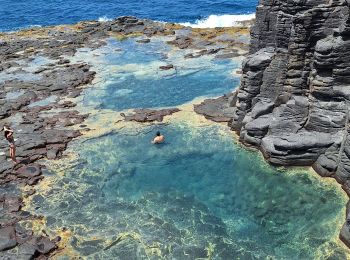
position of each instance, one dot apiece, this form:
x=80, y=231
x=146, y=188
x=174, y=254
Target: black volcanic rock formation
x=293, y=101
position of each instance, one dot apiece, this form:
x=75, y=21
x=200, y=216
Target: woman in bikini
x=8, y=132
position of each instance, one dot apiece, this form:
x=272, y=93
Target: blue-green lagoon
x=200, y=195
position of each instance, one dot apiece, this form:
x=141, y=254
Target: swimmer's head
x=158, y=133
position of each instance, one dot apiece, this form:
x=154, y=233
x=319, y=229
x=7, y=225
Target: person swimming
x=8, y=132
x=158, y=139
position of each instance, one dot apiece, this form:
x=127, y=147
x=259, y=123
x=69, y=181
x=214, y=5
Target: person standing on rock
x=8, y=132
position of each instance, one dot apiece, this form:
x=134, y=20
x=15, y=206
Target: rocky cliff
x=293, y=101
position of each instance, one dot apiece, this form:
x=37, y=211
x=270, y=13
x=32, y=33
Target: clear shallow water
x=24, y=13
x=199, y=195
x=135, y=80
x=196, y=190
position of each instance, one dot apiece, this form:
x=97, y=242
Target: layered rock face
x=293, y=102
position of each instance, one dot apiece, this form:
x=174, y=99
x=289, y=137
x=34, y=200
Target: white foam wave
x=226, y=20
x=33, y=26
x=104, y=19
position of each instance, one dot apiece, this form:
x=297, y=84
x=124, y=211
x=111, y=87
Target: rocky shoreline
x=37, y=76
x=293, y=101
x=290, y=105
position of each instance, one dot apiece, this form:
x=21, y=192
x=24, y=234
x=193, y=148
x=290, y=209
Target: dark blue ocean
x=16, y=14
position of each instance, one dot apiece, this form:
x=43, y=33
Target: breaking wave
x=104, y=19
x=227, y=20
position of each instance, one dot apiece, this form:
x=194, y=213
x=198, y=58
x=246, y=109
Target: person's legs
x=13, y=153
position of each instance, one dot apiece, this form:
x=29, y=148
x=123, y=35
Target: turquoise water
x=135, y=80
x=196, y=190
x=199, y=195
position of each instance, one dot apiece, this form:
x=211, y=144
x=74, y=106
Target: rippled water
x=24, y=13
x=198, y=195
x=196, y=190
x=135, y=80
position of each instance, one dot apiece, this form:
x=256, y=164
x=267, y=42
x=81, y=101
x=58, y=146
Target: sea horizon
x=203, y=13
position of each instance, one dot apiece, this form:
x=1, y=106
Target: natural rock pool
x=199, y=195
x=131, y=77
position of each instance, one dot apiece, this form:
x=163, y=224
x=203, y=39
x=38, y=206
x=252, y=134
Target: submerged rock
x=143, y=40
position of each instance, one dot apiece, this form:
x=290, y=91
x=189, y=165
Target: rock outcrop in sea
x=294, y=98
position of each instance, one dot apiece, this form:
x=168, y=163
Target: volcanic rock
x=143, y=40
x=293, y=101
x=167, y=67
x=149, y=115
x=7, y=238
x=217, y=110
x=29, y=171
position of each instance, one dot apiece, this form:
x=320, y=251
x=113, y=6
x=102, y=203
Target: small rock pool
x=200, y=195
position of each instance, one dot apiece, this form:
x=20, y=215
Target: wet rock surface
x=167, y=67
x=293, y=101
x=217, y=110
x=149, y=115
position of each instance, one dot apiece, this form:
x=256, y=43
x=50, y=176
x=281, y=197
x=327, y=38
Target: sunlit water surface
x=198, y=195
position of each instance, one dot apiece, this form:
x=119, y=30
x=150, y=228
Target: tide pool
x=196, y=191
x=134, y=79
x=200, y=195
